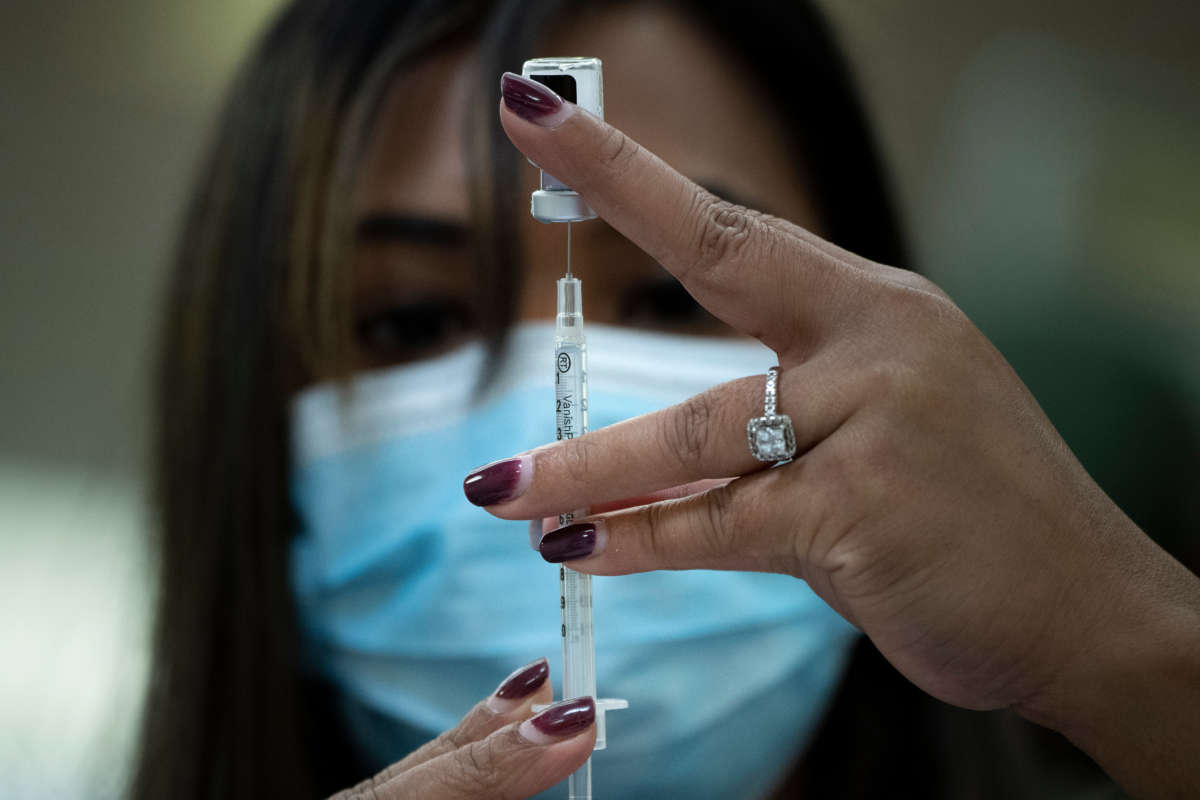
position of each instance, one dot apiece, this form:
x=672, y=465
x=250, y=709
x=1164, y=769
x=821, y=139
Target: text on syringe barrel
x=570, y=396
x=570, y=389
x=575, y=596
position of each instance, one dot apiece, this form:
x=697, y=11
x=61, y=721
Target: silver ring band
x=771, y=437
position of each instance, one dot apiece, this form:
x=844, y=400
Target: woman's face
x=667, y=83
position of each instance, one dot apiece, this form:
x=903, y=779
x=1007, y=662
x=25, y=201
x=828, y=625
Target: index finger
x=765, y=277
x=703, y=437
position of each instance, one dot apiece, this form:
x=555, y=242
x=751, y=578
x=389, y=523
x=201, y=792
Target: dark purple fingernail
x=531, y=100
x=525, y=681
x=568, y=718
x=574, y=541
x=500, y=481
x=519, y=685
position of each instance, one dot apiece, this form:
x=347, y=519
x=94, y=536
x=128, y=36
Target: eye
x=401, y=332
x=663, y=303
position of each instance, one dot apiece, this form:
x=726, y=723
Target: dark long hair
x=257, y=304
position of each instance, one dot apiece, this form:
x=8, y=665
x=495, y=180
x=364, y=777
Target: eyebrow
x=383, y=227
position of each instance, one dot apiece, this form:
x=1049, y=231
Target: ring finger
x=727, y=527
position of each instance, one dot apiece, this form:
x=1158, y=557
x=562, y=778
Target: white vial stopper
x=580, y=81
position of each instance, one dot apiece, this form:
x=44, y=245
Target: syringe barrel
x=570, y=363
x=570, y=413
x=579, y=648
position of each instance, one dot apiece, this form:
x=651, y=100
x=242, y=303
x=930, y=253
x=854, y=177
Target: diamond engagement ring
x=771, y=436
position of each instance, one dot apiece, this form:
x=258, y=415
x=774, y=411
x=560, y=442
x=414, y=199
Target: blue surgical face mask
x=416, y=603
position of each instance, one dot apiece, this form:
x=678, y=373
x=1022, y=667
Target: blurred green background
x=1047, y=161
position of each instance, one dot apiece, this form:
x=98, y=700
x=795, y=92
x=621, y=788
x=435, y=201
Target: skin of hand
x=931, y=502
x=500, y=749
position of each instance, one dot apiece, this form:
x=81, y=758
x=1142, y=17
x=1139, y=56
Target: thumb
x=515, y=762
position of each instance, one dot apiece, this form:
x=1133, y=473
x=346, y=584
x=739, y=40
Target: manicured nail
x=559, y=721
x=580, y=540
x=500, y=481
x=519, y=685
x=531, y=100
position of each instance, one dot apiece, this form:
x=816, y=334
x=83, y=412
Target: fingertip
x=574, y=749
x=533, y=102
x=544, y=695
x=520, y=688
x=499, y=483
x=578, y=540
x=567, y=719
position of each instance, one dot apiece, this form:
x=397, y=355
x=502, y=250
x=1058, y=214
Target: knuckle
x=925, y=286
x=836, y=474
x=716, y=528
x=694, y=531
x=494, y=765
x=912, y=283
x=843, y=477
x=617, y=151
x=452, y=739
x=882, y=379
x=724, y=231
x=482, y=758
x=475, y=772
x=576, y=459
x=899, y=387
x=657, y=538
x=914, y=391
x=843, y=491
x=874, y=465
x=685, y=433
x=916, y=301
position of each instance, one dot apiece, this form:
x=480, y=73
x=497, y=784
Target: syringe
x=575, y=588
x=579, y=81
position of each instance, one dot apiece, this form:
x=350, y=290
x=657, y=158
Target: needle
x=568, y=249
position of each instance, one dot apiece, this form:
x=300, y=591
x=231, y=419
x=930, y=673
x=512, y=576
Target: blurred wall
x=103, y=110
x=1045, y=156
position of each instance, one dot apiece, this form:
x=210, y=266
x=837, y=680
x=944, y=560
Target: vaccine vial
x=581, y=81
